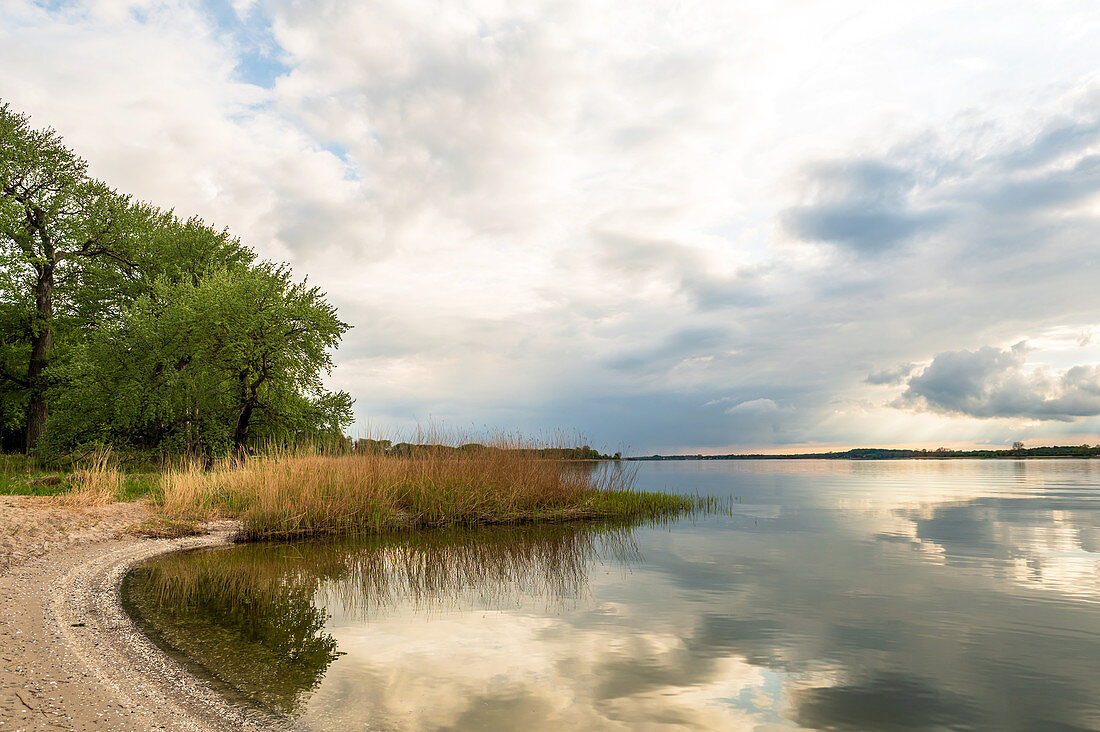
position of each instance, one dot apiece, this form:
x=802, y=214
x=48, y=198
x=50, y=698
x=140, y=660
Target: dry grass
x=311, y=494
x=97, y=483
x=159, y=527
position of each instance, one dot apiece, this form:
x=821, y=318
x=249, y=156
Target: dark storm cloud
x=683, y=268
x=874, y=205
x=991, y=382
x=685, y=344
x=646, y=422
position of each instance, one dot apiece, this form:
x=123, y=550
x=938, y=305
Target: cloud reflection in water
x=959, y=595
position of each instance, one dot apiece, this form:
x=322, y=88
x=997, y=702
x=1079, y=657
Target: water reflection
x=928, y=595
x=960, y=595
x=245, y=617
x=253, y=617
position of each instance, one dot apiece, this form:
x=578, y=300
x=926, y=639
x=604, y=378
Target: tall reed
x=306, y=494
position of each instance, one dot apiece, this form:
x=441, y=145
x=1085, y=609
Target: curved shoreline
x=73, y=658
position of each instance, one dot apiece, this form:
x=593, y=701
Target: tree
x=272, y=338
x=52, y=216
x=204, y=364
x=15, y=339
x=123, y=323
x=367, y=445
x=1017, y=447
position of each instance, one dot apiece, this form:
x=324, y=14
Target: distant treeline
x=124, y=324
x=408, y=449
x=879, y=453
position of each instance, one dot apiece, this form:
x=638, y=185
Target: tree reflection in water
x=251, y=616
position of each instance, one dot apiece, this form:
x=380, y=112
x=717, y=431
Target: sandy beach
x=71, y=658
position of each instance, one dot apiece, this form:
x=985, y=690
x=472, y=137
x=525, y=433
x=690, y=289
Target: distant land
x=880, y=453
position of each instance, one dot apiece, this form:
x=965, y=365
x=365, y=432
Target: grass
x=293, y=495
x=323, y=495
x=95, y=484
x=22, y=476
x=84, y=484
x=159, y=527
x=43, y=485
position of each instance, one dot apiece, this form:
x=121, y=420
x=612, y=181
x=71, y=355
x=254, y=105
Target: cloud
x=745, y=406
x=1057, y=139
x=929, y=186
x=864, y=205
x=991, y=382
x=754, y=406
x=604, y=216
x=1047, y=190
x=890, y=376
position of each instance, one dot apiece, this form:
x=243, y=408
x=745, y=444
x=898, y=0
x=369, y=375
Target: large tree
x=275, y=336
x=206, y=365
x=122, y=323
x=52, y=216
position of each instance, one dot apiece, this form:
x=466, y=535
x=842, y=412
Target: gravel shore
x=71, y=658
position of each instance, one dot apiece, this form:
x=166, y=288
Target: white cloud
x=602, y=214
x=754, y=406
x=991, y=382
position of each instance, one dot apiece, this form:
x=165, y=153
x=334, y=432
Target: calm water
x=839, y=595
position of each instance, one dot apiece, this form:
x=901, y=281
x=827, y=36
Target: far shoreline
x=1078, y=452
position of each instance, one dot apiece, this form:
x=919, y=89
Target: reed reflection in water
x=252, y=618
x=835, y=595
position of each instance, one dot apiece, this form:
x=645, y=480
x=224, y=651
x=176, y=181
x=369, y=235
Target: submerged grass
x=286, y=496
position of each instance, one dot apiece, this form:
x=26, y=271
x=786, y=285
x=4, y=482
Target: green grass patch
x=24, y=476
x=139, y=486
x=34, y=484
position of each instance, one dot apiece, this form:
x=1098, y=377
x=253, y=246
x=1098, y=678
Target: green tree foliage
x=15, y=338
x=52, y=216
x=122, y=323
x=208, y=363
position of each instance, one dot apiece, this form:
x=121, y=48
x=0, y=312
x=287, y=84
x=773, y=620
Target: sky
x=675, y=227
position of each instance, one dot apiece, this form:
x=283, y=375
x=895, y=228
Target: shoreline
x=70, y=655
x=843, y=457
x=72, y=658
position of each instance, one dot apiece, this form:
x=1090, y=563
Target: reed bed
x=296, y=495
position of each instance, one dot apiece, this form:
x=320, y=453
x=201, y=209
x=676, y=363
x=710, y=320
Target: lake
x=957, y=594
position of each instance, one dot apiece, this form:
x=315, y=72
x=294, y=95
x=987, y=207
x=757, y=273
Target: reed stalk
x=283, y=495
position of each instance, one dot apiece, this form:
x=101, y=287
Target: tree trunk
x=240, y=434
x=249, y=396
x=37, y=406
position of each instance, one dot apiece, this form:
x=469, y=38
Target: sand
x=33, y=527
x=70, y=657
